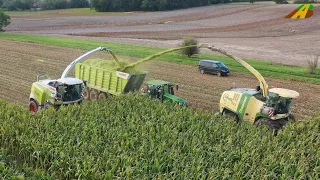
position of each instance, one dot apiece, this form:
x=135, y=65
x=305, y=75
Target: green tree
x=4, y=20
x=188, y=41
x=79, y=3
x=54, y=4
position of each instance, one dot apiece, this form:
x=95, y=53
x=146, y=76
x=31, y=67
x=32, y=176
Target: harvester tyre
x=102, y=96
x=230, y=115
x=272, y=126
x=33, y=107
x=93, y=95
x=86, y=94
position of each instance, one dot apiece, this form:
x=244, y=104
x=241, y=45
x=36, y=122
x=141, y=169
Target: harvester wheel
x=230, y=115
x=86, y=94
x=102, y=96
x=93, y=95
x=33, y=107
x=272, y=126
x=219, y=74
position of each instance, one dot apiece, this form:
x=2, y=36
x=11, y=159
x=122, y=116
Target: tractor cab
x=163, y=90
x=157, y=88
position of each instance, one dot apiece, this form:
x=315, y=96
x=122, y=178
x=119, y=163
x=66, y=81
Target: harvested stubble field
x=21, y=62
x=257, y=31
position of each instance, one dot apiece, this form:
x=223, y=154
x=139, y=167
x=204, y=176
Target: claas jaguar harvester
x=48, y=92
x=261, y=106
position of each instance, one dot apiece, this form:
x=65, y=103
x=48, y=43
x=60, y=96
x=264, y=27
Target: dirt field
x=21, y=62
x=257, y=31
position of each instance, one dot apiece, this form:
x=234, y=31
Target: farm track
x=20, y=65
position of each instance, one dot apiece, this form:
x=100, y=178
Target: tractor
x=163, y=91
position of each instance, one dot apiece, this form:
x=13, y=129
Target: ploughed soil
x=259, y=31
x=21, y=62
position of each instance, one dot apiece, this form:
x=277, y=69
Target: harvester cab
x=262, y=106
x=163, y=91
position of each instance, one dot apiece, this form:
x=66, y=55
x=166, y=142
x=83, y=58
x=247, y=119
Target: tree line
x=149, y=5
x=112, y=5
x=13, y=5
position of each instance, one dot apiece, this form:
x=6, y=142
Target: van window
x=214, y=65
x=220, y=64
x=207, y=64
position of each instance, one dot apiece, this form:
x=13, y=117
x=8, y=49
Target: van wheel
x=93, y=95
x=219, y=74
x=202, y=71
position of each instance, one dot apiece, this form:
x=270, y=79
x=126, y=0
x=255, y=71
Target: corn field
x=134, y=137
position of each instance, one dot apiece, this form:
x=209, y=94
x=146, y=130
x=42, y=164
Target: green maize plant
x=134, y=137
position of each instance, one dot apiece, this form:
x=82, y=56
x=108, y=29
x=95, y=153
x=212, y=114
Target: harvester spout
x=155, y=56
x=263, y=83
x=82, y=58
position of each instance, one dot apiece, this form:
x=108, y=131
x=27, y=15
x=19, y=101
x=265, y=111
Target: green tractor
x=163, y=91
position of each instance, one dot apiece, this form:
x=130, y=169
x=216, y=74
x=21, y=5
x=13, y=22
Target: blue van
x=213, y=67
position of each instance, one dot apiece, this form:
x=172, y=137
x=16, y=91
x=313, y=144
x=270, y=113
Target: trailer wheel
x=102, y=96
x=93, y=95
x=272, y=126
x=33, y=107
x=86, y=94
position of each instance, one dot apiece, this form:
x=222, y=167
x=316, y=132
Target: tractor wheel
x=230, y=115
x=93, y=95
x=86, y=94
x=219, y=74
x=272, y=126
x=202, y=71
x=102, y=96
x=33, y=107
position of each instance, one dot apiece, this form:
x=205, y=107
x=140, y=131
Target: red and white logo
x=122, y=75
x=271, y=112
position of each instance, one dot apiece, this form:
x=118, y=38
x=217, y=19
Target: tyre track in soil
x=201, y=91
